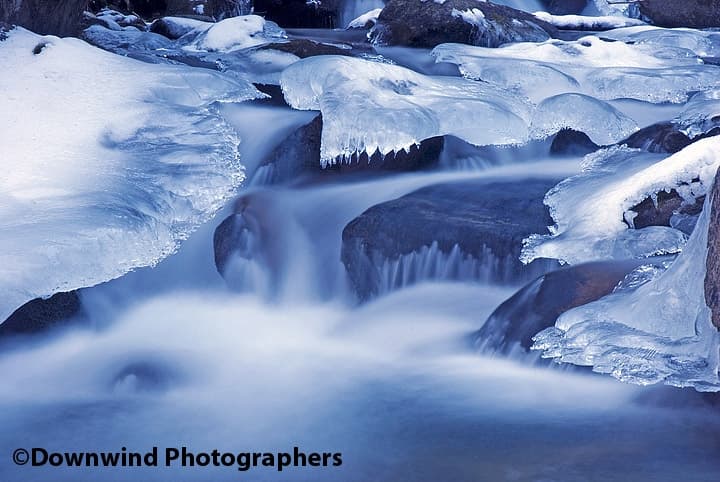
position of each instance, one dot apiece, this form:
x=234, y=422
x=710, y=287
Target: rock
x=46, y=17
x=174, y=27
x=418, y=23
x=538, y=305
x=300, y=13
x=306, y=48
x=663, y=137
x=569, y=142
x=565, y=7
x=469, y=230
x=664, y=209
x=688, y=13
x=40, y=315
x=712, y=274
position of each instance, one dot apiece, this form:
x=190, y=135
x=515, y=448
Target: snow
x=590, y=209
x=233, y=34
x=607, y=70
x=583, y=22
x=179, y=26
x=364, y=19
x=660, y=332
x=109, y=163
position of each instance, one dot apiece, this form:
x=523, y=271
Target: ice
x=369, y=106
x=364, y=19
x=703, y=43
x=701, y=114
x=602, y=123
x=607, y=70
x=354, y=9
x=660, y=332
x=235, y=33
x=583, y=22
x=591, y=209
x=108, y=163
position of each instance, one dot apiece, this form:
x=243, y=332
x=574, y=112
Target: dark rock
x=688, y=13
x=565, y=7
x=486, y=221
x=169, y=27
x=712, y=274
x=47, y=17
x=40, y=315
x=416, y=23
x=569, y=142
x=661, y=211
x=664, y=137
x=299, y=13
x=306, y=48
x=538, y=305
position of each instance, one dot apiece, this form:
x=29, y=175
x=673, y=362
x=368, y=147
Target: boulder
x=688, y=13
x=569, y=142
x=468, y=230
x=667, y=209
x=40, y=315
x=663, y=137
x=538, y=305
x=712, y=274
x=46, y=17
x=426, y=23
x=304, y=48
x=174, y=27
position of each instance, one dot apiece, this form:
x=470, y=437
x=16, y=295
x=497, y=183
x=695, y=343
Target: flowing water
x=287, y=357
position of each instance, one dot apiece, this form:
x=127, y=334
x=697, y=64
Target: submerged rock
x=424, y=23
x=712, y=274
x=688, y=13
x=536, y=306
x=469, y=230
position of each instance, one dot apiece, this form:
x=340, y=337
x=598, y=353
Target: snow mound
x=607, y=70
x=235, y=33
x=370, y=106
x=109, y=163
x=582, y=22
x=660, y=332
x=591, y=209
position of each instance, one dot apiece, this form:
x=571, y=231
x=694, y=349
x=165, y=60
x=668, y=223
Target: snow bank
x=235, y=33
x=590, y=209
x=109, y=163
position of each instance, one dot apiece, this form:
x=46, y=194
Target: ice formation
x=659, y=332
x=108, y=162
x=235, y=33
x=591, y=209
x=607, y=70
x=370, y=106
x=583, y=22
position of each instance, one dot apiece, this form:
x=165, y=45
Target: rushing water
x=173, y=357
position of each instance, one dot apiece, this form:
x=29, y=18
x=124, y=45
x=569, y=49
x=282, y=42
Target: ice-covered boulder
x=233, y=34
x=470, y=230
x=688, y=13
x=427, y=23
x=99, y=181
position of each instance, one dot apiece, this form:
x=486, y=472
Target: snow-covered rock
x=109, y=163
x=235, y=33
x=427, y=23
x=366, y=20
x=584, y=22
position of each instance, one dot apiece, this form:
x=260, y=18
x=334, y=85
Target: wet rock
x=712, y=274
x=306, y=48
x=565, y=7
x=688, y=13
x=47, y=17
x=300, y=13
x=663, y=137
x=663, y=210
x=415, y=23
x=569, y=142
x=40, y=315
x=469, y=230
x=538, y=305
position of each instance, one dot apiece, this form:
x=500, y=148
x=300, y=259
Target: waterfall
x=351, y=9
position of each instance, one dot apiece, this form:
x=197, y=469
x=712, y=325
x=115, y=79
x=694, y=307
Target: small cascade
x=352, y=9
